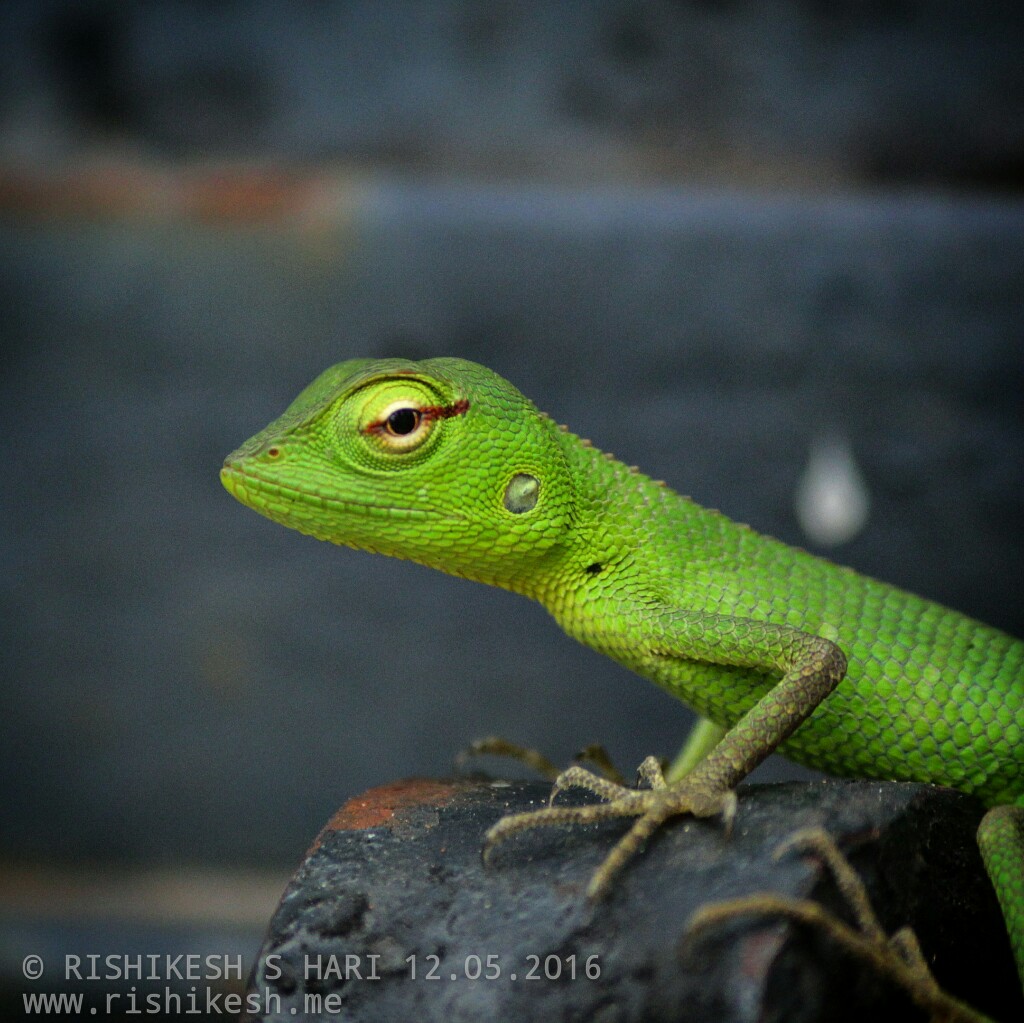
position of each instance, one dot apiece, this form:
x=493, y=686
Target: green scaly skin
x=446, y=463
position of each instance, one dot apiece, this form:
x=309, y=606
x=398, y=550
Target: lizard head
x=443, y=462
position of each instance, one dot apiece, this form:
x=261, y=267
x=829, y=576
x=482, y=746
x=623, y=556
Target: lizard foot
x=652, y=806
x=496, y=746
x=897, y=956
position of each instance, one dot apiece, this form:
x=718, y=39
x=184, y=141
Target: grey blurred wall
x=704, y=235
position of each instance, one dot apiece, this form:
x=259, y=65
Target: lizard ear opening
x=521, y=493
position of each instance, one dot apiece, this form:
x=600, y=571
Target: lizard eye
x=398, y=417
x=403, y=421
x=401, y=426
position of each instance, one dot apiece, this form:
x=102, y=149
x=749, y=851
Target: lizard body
x=446, y=463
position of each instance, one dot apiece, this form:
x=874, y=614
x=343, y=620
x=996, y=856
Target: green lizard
x=446, y=463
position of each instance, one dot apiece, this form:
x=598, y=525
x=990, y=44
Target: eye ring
x=401, y=426
x=403, y=421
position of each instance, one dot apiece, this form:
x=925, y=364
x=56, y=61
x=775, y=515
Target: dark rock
x=394, y=916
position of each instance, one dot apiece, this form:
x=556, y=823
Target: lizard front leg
x=810, y=668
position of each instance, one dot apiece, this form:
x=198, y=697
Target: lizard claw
x=651, y=807
x=660, y=804
x=576, y=777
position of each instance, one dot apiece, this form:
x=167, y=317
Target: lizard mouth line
x=240, y=481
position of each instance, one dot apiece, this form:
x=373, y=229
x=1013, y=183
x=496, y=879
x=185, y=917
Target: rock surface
x=393, y=915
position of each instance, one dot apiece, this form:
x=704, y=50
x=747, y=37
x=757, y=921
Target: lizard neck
x=618, y=549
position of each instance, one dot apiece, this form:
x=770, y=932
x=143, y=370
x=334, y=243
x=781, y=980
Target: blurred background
x=773, y=254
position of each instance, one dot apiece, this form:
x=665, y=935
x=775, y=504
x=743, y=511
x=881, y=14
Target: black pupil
x=403, y=421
